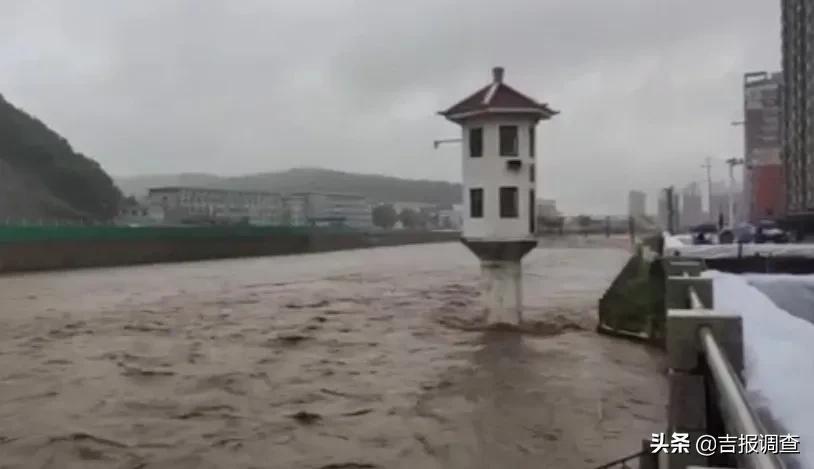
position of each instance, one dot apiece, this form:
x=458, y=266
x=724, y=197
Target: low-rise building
x=547, y=208
x=451, y=218
x=295, y=211
x=206, y=205
x=317, y=209
x=414, y=206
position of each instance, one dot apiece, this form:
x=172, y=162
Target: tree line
x=35, y=151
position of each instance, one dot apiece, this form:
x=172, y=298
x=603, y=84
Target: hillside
x=42, y=178
x=375, y=187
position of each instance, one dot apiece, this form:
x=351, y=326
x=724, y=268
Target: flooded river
x=357, y=359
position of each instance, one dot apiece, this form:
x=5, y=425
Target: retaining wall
x=31, y=249
x=633, y=305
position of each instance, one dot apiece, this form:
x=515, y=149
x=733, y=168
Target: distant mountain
x=43, y=178
x=377, y=188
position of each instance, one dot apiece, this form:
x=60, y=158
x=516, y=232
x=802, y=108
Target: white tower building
x=498, y=124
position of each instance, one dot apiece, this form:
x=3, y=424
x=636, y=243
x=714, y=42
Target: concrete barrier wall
x=70, y=254
x=761, y=264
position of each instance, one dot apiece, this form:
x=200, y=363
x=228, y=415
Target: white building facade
x=189, y=204
x=499, y=178
x=314, y=208
x=451, y=218
x=414, y=206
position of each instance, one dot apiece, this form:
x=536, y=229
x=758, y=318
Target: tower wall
x=490, y=172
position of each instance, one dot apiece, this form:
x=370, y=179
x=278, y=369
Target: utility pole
x=708, y=167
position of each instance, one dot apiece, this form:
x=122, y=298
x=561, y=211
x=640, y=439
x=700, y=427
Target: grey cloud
x=647, y=87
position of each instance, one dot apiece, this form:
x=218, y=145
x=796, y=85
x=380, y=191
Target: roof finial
x=497, y=74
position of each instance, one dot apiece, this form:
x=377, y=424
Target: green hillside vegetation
x=42, y=177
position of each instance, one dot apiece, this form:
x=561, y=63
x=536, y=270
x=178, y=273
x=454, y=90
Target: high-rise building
x=637, y=204
x=764, y=193
x=692, y=210
x=798, y=113
x=663, y=215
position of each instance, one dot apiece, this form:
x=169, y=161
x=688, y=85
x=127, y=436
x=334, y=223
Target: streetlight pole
x=732, y=162
x=746, y=195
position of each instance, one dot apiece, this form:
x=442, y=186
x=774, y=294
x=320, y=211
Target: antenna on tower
x=437, y=143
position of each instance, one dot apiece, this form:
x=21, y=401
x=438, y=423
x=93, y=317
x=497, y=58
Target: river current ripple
x=357, y=359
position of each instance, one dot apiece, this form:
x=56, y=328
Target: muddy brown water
x=358, y=359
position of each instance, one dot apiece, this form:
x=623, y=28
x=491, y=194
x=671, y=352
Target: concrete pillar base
x=502, y=290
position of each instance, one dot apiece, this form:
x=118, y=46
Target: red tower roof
x=497, y=98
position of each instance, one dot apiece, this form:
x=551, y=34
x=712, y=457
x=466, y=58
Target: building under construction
x=764, y=191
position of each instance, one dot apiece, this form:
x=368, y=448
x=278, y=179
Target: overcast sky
x=647, y=88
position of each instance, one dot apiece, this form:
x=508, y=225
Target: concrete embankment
x=633, y=306
x=44, y=248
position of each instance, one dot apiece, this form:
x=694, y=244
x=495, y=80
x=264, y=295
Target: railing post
x=677, y=293
x=678, y=266
x=648, y=459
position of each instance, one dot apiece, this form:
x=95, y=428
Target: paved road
x=355, y=359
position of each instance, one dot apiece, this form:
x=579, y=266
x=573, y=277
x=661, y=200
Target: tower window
x=508, y=202
x=532, y=204
x=508, y=140
x=476, y=142
x=532, y=140
x=475, y=203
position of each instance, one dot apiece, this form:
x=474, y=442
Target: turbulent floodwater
x=356, y=359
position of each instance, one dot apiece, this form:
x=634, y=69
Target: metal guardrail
x=738, y=416
x=729, y=400
x=623, y=463
x=695, y=301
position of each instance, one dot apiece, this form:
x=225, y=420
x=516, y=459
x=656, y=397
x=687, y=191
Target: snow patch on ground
x=681, y=245
x=778, y=359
